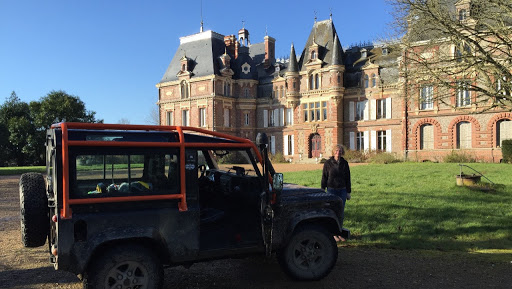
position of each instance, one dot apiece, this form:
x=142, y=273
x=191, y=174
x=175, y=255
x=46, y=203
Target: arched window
x=311, y=84
x=317, y=81
x=427, y=137
x=365, y=81
x=227, y=88
x=503, y=131
x=464, y=135
x=184, y=89
x=246, y=92
x=183, y=67
x=313, y=54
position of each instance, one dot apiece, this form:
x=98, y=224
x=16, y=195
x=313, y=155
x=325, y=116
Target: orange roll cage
x=66, y=213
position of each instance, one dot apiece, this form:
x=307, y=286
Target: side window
x=118, y=175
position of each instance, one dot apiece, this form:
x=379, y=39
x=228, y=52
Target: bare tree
x=463, y=47
x=154, y=116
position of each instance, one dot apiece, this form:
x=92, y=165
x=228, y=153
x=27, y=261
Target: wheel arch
x=149, y=243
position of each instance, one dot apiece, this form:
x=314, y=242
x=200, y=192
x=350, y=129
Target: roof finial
x=243, y=24
x=201, y=29
x=266, y=30
x=315, y=16
x=330, y=15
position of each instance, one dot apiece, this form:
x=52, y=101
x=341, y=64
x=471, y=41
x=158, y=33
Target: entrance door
x=316, y=142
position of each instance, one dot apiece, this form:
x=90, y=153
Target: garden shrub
x=506, y=150
x=383, y=158
x=353, y=156
x=459, y=157
x=277, y=157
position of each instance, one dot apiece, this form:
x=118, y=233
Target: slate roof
x=323, y=33
x=203, y=49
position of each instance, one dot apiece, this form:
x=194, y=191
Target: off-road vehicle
x=120, y=202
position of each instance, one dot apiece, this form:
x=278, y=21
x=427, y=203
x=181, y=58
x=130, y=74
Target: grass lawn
x=20, y=170
x=418, y=206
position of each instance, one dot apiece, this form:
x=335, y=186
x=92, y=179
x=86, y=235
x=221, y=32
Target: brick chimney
x=270, y=51
x=230, y=43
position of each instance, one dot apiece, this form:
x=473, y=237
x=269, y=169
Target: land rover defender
x=118, y=203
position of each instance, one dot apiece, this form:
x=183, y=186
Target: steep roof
x=203, y=49
x=323, y=34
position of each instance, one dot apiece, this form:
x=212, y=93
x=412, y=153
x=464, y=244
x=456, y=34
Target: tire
x=35, y=223
x=125, y=266
x=310, y=254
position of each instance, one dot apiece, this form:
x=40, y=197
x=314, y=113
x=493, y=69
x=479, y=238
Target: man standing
x=336, y=176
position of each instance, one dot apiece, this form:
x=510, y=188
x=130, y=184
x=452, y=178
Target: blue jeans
x=342, y=193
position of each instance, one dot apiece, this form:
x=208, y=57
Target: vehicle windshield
x=230, y=160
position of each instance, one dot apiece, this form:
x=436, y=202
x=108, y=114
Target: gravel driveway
x=356, y=268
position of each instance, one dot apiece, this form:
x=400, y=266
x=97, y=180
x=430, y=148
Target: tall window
x=366, y=81
x=227, y=88
x=381, y=140
x=381, y=108
x=246, y=119
x=226, y=117
x=427, y=97
x=246, y=92
x=311, y=82
x=282, y=91
x=313, y=54
x=374, y=80
x=289, y=116
x=184, y=118
x=360, y=106
x=360, y=141
x=184, y=90
x=324, y=110
x=463, y=94
x=317, y=81
x=504, y=131
x=202, y=116
x=427, y=137
x=170, y=118
x=463, y=135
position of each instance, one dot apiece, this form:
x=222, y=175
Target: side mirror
x=278, y=182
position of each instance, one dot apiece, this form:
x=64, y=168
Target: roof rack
x=182, y=205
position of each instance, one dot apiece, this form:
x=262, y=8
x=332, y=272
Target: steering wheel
x=202, y=169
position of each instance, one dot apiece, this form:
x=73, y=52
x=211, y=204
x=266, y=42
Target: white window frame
x=185, y=117
x=202, y=116
x=463, y=94
x=427, y=97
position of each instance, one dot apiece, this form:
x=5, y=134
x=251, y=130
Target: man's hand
x=348, y=196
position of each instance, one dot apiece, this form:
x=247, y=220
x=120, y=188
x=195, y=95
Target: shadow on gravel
x=22, y=278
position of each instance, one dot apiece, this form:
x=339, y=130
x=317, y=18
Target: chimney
x=230, y=43
x=270, y=50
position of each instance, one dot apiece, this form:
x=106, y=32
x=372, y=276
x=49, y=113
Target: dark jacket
x=336, y=175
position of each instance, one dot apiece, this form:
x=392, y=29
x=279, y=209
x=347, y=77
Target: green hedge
x=506, y=150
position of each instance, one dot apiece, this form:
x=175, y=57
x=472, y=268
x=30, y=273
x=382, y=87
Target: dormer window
x=463, y=14
x=385, y=51
x=363, y=53
x=374, y=80
x=313, y=54
x=183, y=67
x=366, y=81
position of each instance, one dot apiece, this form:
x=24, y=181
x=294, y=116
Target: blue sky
x=112, y=53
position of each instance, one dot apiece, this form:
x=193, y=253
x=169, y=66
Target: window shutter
x=373, y=109
x=273, y=144
x=265, y=118
x=366, y=140
x=285, y=144
x=388, y=107
x=351, y=111
x=281, y=117
x=226, y=117
x=366, y=112
x=388, y=140
x=352, y=140
x=293, y=145
x=373, y=135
